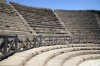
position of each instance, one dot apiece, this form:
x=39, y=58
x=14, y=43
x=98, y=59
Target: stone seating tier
x=10, y=22
x=95, y=62
x=96, y=11
x=54, y=26
x=40, y=18
x=75, y=20
x=35, y=13
x=50, y=30
x=41, y=56
x=5, y=8
x=60, y=59
x=10, y=32
x=47, y=31
x=75, y=61
x=48, y=23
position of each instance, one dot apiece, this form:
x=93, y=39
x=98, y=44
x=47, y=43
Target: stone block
x=13, y=61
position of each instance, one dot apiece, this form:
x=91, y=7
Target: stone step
x=42, y=22
x=79, y=26
x=14, y=28
x=5, y=8
x=10, y=25
x=11, y=22
x=20, y=58
x=78, y=20
x=84, y=45
x=82, y=23
x=59, y=60
x=45, y=23
x=43, y=58
x=53, y=34
x=10, y=32
x=48, y=27
x=84, y=29
x=95, y=62
x=6, y=17
x=56, y=32
x=75, y=61
x=44, y=26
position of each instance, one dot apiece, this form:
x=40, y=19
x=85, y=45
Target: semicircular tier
x=43, y=20
x=11, y=23
x=80, y=22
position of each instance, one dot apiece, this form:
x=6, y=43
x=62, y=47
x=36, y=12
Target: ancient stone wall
x=43, y=20
x=79, y=21
x=10, y=22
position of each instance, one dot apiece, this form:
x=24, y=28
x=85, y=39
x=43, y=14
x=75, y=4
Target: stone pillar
x=2, y=1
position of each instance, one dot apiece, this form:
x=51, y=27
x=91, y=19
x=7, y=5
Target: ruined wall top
x=2, y=1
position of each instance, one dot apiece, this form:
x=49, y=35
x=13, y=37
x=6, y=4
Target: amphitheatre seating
x=78, y=22
x=90, y=63
x=10, y=22
x=59, y=60
x=43, y=20
x=75, y=61
x=97, y=12
x=42, y=56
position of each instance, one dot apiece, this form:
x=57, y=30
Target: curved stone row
x=80, y=21
x=10, y=22
x=43, y=20
x=90, y=63
x=75, y=61
x=41, y=56
x=60, y=59
x=19, y=59
x=46, y=22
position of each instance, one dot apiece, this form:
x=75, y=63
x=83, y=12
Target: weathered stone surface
x=60, y=59
x=80, y=21
x=56, y=55
x=90, y=63
x=13, y=61
x=43, y=20
x=2, y=1
x=10, y=22
x=75, y=61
